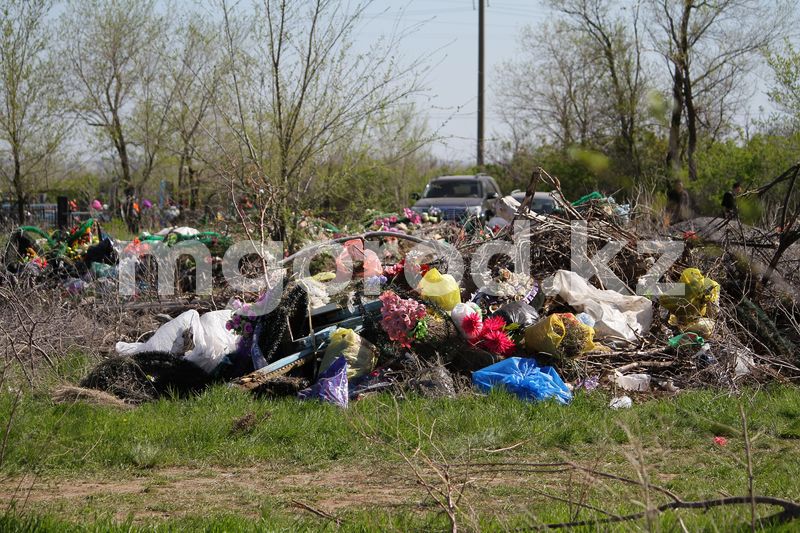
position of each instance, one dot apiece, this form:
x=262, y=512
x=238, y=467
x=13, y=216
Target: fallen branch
x=318, y=512
x=791, y=510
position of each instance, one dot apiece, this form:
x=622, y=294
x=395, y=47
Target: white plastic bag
x=211, y=339
x=185, y=231
x=633, y=382
x=621, y=402
x=617, y=316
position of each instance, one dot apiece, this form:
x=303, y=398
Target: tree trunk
x=193, y=187
x=182, y=173
x=681, y=95
x=18, y=189
x=673, y=150
x=691, y=126
x=122, y=150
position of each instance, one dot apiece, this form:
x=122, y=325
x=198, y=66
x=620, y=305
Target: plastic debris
x=633, y=382
x=685, y=339
x=621, y=402
x=560, y=334
x=518, y=313
x=523, y=378
x=209, y=337
x=700, y=293
x=440, y=289
x=331, y=386
x=359, y=353
x=616, y=315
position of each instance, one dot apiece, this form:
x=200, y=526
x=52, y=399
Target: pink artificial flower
x=720, y=441
x=497, y=342
x=494, y=323
x=400, y=316
x=472, y=325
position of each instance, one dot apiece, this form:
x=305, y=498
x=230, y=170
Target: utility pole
x=480, y=82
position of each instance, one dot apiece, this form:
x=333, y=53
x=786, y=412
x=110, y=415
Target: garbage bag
x=549, y=334
x=616, y=315
x=361, y=355
x=518, y=313
x=213, y=340
x=700, y=291
x=210, y=338
x=524, y=379
x=440, y=289
x=331, y=386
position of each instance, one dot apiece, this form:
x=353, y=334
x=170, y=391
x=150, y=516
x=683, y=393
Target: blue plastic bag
x=331, y=386
x=524, y=379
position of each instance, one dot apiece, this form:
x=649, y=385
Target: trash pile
x=402, y=323
x=86, y=259
x=70, y=257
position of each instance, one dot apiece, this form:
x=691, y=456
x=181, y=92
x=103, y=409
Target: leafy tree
x=112, y=48
x=32, y=120
x=710, y=47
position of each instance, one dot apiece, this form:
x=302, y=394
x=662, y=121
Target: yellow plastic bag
x=361, y=354
x=545, y=335
x=440, y=289
x=702, y=326
x=700, y=292
x=549, y=334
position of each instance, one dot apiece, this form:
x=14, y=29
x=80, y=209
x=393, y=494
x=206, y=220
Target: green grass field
x=196, y=464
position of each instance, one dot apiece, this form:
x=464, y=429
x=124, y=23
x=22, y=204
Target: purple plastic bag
x=331, y=386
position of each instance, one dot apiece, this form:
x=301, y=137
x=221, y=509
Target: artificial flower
x=472, y=325
x=497, y=342
x=494, y=323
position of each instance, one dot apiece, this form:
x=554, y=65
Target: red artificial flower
x=472, y=325
x=497, y=342
x=494, y=323
x=720, y=441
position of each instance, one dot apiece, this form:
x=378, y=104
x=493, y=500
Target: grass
x=334, y=459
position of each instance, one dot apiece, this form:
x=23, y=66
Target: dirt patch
x=172, y=492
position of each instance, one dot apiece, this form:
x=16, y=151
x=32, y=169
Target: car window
x=453, y=189
x=544, y=206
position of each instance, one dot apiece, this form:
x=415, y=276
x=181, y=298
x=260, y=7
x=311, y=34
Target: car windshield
x=453, y=189
x=540, y=205
x=544, y=206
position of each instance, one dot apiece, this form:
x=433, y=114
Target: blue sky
x=448, y=35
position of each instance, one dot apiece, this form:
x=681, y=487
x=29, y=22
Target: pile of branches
x=758, y=321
